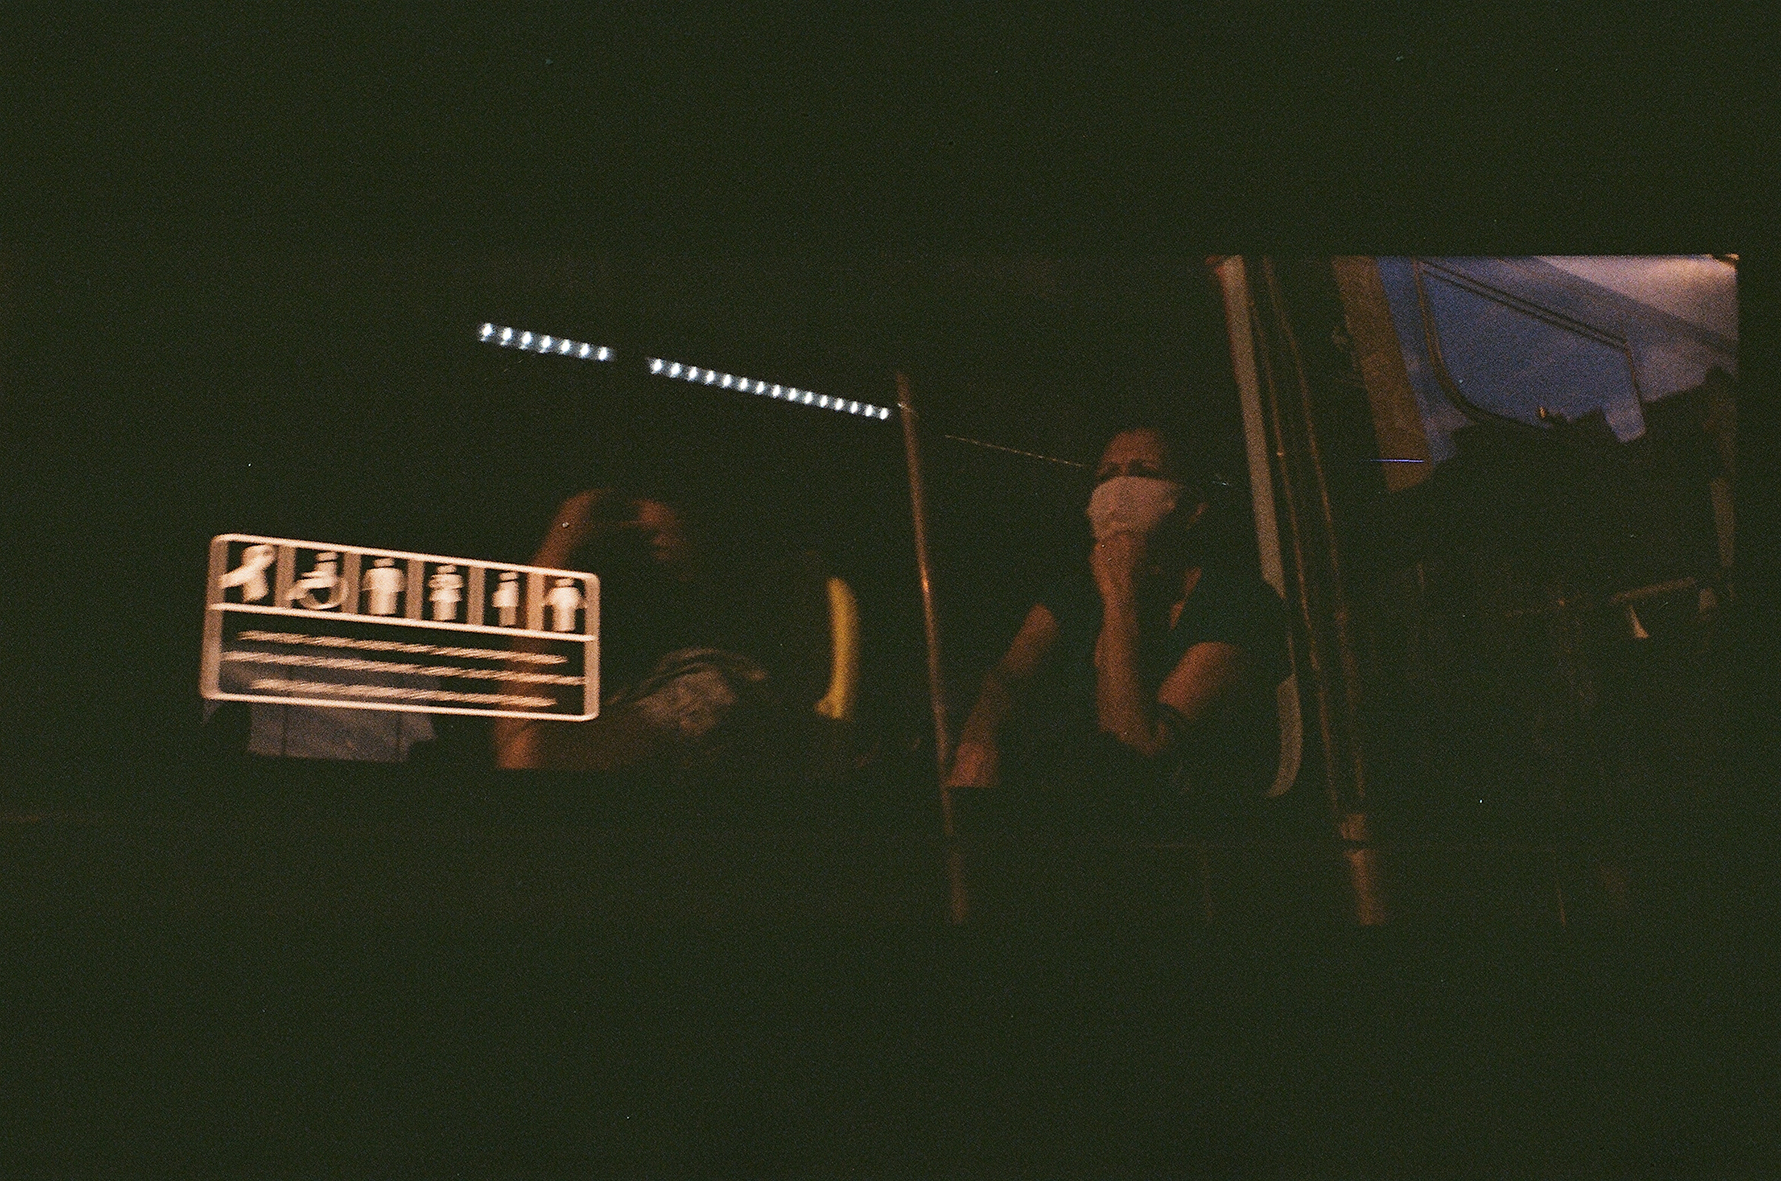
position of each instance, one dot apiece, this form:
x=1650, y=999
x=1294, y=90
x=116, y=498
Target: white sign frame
x=353, y=557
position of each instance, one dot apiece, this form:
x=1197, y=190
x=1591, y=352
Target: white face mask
x=1135, y=504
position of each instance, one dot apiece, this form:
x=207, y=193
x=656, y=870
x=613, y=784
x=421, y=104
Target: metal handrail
x=1618, y=599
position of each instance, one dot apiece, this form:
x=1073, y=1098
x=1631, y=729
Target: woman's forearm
x=620, y=738
x=1122, y=707
x=995, y=702
x=976, y=760
x=515, y=742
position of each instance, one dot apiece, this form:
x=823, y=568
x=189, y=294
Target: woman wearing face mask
x=1165, y=651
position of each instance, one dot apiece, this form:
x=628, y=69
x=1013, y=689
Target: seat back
x=844, y=653
x=1292, y=738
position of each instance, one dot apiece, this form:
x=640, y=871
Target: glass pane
x=1577, y=336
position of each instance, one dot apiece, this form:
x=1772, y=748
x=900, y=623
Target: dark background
x=254, y=238
x=232, y=236
x=345, y=398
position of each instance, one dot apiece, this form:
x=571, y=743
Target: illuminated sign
x=303, y=623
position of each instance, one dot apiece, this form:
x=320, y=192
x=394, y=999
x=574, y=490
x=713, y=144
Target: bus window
x=1532, y=340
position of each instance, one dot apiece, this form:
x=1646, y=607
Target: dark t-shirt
x=1230, y=754
x=774, y=611
x=732, y=661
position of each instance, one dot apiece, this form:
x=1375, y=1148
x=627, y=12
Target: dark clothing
x=727, y=666
x=1222, y=760
x=644, y=615
x=775, y=612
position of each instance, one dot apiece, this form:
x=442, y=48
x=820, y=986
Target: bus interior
x=1496, y=496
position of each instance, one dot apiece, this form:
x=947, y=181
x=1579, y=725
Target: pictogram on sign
x=302, y=623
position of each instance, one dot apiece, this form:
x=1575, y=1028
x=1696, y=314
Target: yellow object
x=844, y=644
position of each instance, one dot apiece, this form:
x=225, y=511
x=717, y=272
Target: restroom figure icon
x=448, y=591
x=382, y=583
x=250, y=576
x=564, y=600
x=505, y=600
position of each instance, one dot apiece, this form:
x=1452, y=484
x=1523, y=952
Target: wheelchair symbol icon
x=324, y=578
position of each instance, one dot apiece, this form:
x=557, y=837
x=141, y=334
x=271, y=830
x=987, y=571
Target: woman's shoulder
x=1242, y=608
x=1241, y=586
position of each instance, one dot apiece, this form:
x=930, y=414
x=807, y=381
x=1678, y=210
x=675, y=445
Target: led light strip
x=749, y=385
x=560, y=346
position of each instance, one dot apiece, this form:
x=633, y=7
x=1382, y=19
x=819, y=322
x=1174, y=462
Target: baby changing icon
x=250, y=576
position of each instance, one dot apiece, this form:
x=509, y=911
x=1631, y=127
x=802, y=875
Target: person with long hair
x=696, y=674
x=1163, y=654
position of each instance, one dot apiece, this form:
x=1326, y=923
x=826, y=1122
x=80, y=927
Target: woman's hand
x=1116, y=560
x=975, y=764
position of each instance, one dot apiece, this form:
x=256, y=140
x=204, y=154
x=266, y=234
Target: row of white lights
x=747, y=385
x=562, y=346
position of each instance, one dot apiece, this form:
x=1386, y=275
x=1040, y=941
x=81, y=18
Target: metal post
x=936, y=682
x=1320, y=590
x=1345, y=647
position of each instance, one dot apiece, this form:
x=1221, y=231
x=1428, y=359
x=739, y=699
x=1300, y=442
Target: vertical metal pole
x=1340, y=735
x=1345, y=649
x=918, y=505
x=1319, y=661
